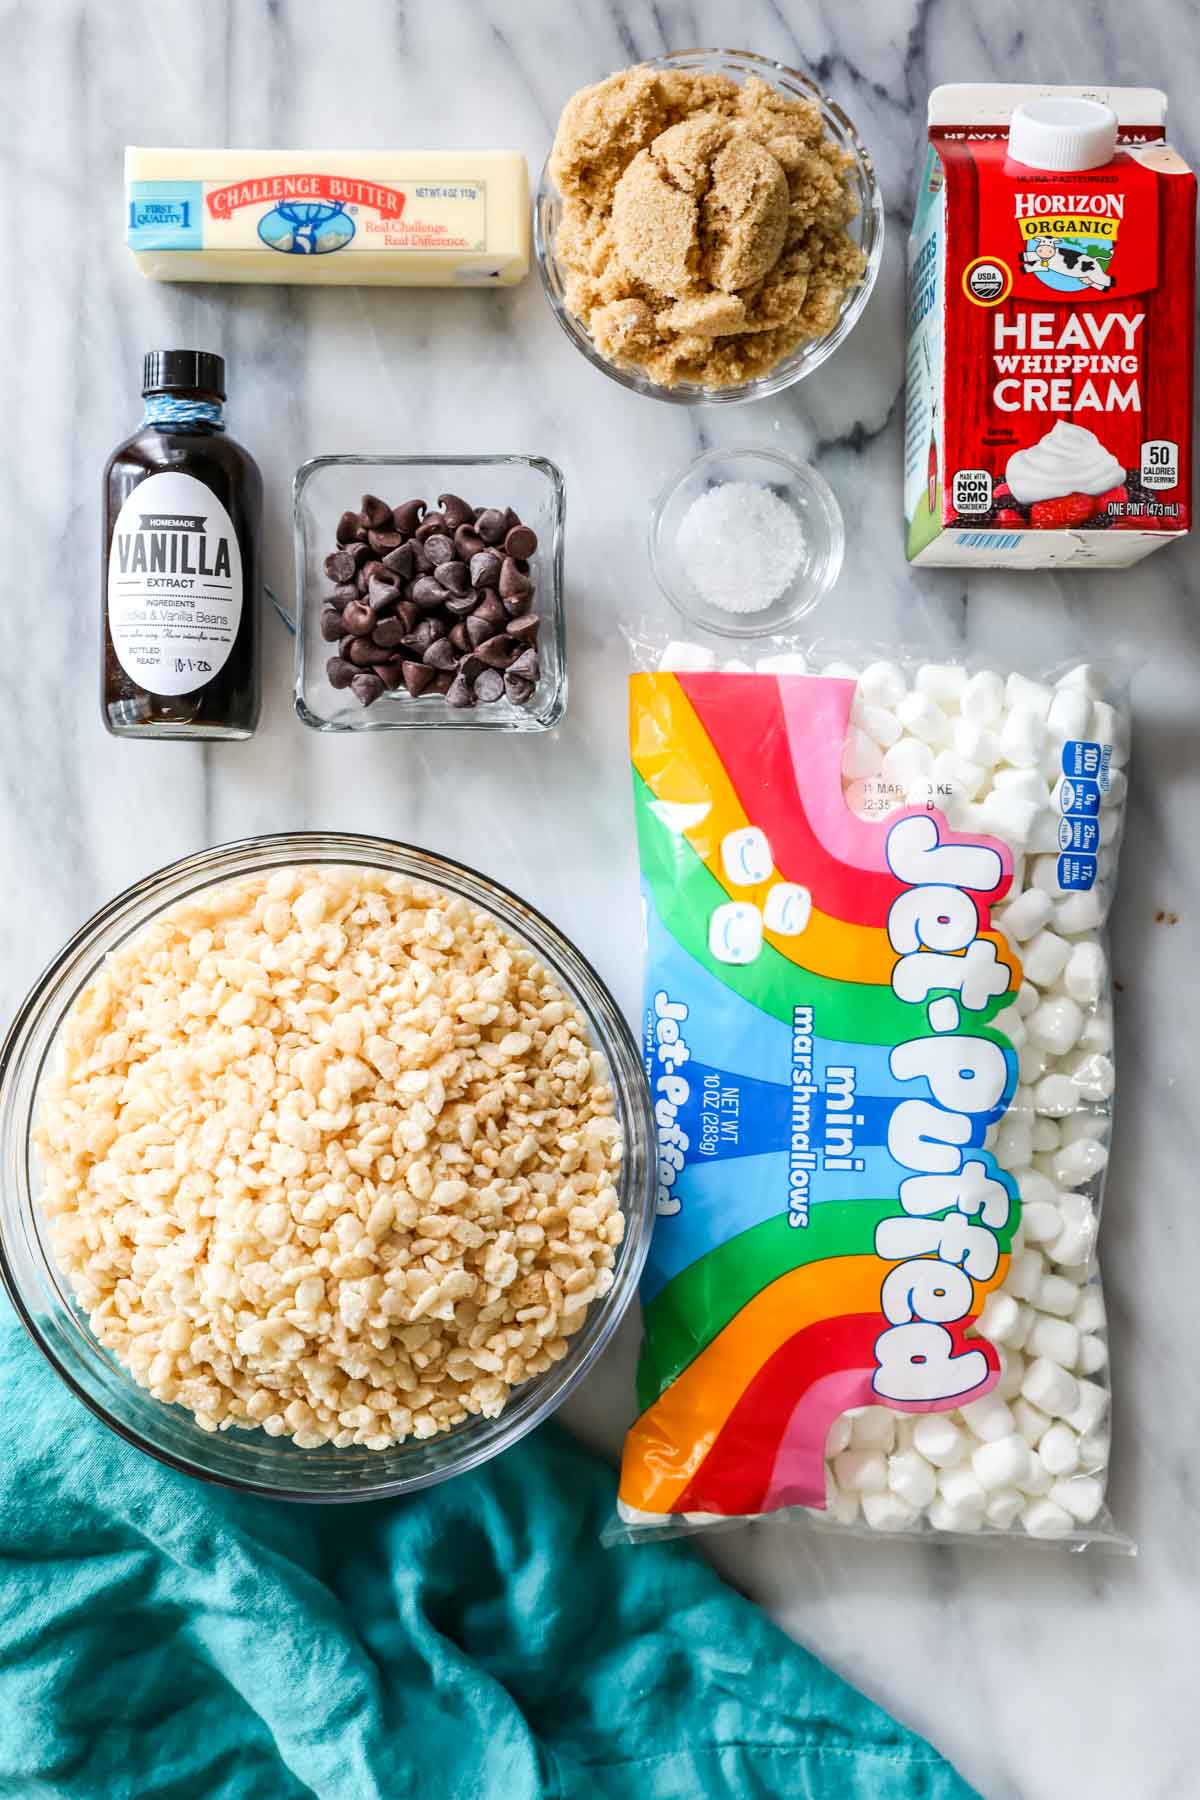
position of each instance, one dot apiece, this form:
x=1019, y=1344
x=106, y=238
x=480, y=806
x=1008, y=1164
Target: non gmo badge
x=987, y=280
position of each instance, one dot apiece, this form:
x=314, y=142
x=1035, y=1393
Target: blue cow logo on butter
x=306, y=228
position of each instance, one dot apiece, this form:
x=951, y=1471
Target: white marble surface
x=1043, y=1676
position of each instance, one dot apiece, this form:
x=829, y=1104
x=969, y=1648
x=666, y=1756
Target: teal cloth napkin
x=164, y=1640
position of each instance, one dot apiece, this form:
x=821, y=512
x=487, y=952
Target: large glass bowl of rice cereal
x=708, y=226
x=327, y=1166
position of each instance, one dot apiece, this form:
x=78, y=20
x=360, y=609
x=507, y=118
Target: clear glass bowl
x=251, y=1460
x=866, y=230
x=328, y=486
x=807, y=493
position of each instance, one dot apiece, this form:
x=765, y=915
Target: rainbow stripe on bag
x=830, y=1222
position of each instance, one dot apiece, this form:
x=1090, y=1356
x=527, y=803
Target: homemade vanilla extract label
x=174, y=585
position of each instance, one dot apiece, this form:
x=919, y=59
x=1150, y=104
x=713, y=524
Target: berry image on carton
x=1049, y=372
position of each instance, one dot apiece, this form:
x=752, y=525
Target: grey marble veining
x=1044, y=1676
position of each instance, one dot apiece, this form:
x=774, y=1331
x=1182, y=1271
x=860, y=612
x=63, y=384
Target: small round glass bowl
x=866, y=229
x=807, y=493
x=250, y=1460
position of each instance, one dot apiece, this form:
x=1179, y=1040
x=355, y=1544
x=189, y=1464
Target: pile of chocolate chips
x=435, y=602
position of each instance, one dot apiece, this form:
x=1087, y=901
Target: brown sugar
x=703, y=233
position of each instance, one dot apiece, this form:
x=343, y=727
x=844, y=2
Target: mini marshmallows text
x=740, y=546
x=986, y=751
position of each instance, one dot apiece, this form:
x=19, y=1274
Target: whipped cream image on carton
x=1050, y=311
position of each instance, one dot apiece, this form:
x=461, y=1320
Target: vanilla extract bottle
x=182, y=517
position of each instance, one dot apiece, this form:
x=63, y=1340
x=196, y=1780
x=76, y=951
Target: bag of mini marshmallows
x=878, y=1035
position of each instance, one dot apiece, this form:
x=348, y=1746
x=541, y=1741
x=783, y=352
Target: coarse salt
x=740, y=546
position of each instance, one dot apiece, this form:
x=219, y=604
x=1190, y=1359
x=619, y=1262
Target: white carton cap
x=1062, y=133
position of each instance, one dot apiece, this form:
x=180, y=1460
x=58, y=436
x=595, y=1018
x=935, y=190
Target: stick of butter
x=381, y=218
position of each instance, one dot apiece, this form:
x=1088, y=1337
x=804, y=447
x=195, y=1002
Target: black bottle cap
x=183, y=371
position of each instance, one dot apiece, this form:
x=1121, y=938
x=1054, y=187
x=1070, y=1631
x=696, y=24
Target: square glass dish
x=328, y=486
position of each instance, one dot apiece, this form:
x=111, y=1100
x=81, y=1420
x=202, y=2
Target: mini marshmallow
x=1044, y=958
x=924, y=718
x=1030, y=1421
x=1023, y=738
x=882, y=684
x=1077, y=913
x=735, y=933
x=908, y=761
x=1097, y=1033
x=1012, y=1373
x=1094, y=1076
x=1055, y=1339
x=1025, y=1273
x=1103, y=728
x=943, y=682
x=841, y=1507
x=958, y=773
x=1055, y=1096
x=1042, y=1221
x=1045, y=1135
x=874, y=1428
x=1069, y=715
x=1025, y=916
x=1028, y=1000
x=999, y=1317
x=910, y=1476
x=1080, y=1125
x=1082, y=1496
x=784, y=662
x=1019, y=691
x=1038, y=1187
x=1015, y=1032
x=1078, y=1163
x=746, y=856
x=1004, y=1463
x=1043, y=1519
x=944, y=1517
x=939, y=1440
x=1044, y=875
x=1025, y=782
x=1058, y=1296
x=1003, y=1507
x=1093, y=1354
x=976, y=742
x=1025, y=1318
x=962, y=1489
x=1008, y=816
x=1014, y=1144
x=982, y=697
x=861, y=1471
x=876, y=721
x=989, y=1418
x=1086, y=676
x=1111, y=829
x=787, y=908
x=1073, y=1245
x=1089, y=1310
x=682, y=658
x=1050, y=1387
x=888, y=1512
x=1039, y=1479
x=1094, y=1448
x=1056, y=1025
x=1114, y=795
x=1044, y=833
x=861, y=755
x=838, y=1437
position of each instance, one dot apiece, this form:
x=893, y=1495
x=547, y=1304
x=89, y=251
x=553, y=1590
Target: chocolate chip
x=459, y=605
x=443, y=681
x=521, y=542
x=441, y=654
x=453, y=575
x=390, y=672
x=518, y=605
x=390, y=632
x=381, y=593
x=417, y=677
x=511, y=518
x=518, y=688
x=513, y=585
x=345, y=590
x=470, y=668
x=366, y=687
x=409, y=613
x=357, y=619
x=422, y=635
x=490, y=525
x=340, y=672
x=526, y=628
x=432, y=525
x=342, y=565
x=422, y=562
x=407, y=516
x=479, y=630
x=459, y=693
x=367, y=573
x=331, y=624
x=455, y=510
x=401, y=561
x=428, y=592
x=485, y=569
x=458, y=637
x=438, y=547
x=491, y=609
x=383, y=541
x=347, y=528
x=467, y=542
x=362, y=653
x=496, y=652
x=376, y=512
x=489, y=685
x=526, y=665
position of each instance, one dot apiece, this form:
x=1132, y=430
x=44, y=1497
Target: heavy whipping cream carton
x=1050, y=316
